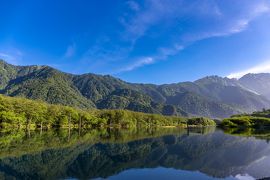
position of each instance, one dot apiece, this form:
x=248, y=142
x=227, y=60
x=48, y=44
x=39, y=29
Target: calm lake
x=167, y=153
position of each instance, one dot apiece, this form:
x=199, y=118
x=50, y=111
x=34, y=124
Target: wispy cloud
x=173, y=25
x=104, y=57
x=174, y=13
x=153, y=12
x=229, y=24
x=70, y=51
x=3, y=55
x=260, y=68
x=163, y=54
x=138, y=63
x=13, y=57
x=133, y=5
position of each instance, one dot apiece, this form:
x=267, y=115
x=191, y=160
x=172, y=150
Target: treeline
x=24, y=113
x=259, y=119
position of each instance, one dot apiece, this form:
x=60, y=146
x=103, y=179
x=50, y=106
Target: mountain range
x=211, y=96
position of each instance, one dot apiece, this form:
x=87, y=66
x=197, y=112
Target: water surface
x=169, y=153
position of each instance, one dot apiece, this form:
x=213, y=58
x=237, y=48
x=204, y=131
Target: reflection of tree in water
x=262, y=133
x=95, y=154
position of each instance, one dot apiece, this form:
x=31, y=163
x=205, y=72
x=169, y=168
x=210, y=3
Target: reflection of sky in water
x=260, y=168
x=244, y=177
x=176, y=155
x=203, y=157
x=161, y=174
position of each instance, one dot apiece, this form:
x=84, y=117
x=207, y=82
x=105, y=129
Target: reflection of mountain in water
x=214, y=154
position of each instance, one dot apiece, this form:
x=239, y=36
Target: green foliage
x=201, y=121
x=254, y=120
x=21, y=112
x=49, y=85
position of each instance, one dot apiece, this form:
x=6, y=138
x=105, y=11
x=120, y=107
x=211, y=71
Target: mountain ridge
x=211, y=96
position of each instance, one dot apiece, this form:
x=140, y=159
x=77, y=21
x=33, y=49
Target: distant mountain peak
x=217, y=79
x=256, y=75
x=211, y=96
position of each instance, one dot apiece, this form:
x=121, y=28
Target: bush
x=201, y=121
x=246, y=121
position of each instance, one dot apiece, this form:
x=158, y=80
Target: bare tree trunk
x=187, y=129
x=29, y=124
x=69, y=124
x=41, y=126
x=68, y=134
x=80, y=125
x=69, y=120
x=29, y=132
x=29, y=127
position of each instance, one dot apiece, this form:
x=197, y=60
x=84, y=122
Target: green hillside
x=212, y=96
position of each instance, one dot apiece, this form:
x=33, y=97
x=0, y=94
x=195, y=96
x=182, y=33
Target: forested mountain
x=211, y=96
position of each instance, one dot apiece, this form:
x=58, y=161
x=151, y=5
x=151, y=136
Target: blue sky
x=148, y=41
